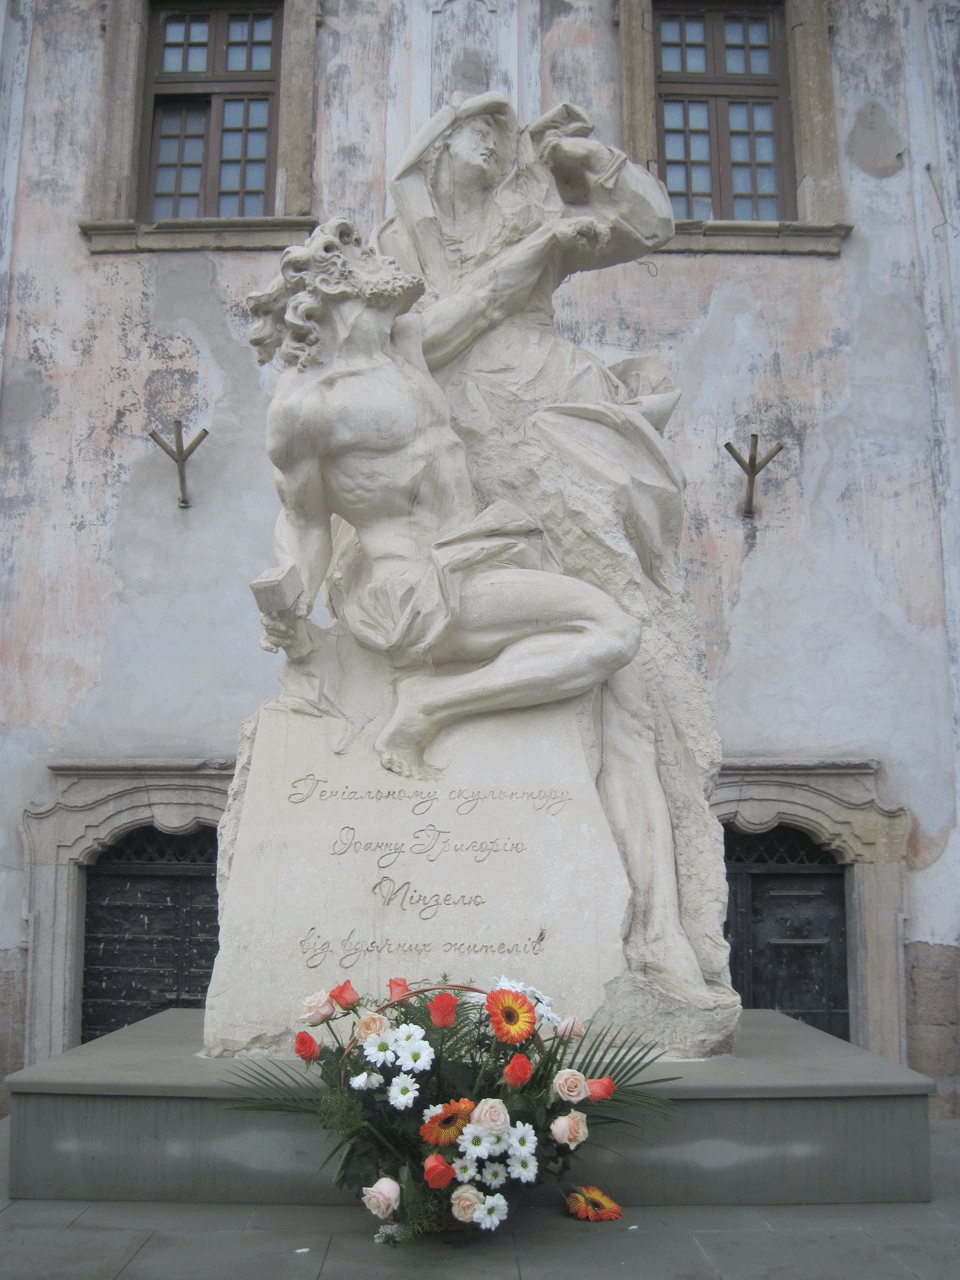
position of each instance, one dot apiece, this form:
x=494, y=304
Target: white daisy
x=407, y=1033
x=523, y=1167
x=403, y=1091
x=465, y=1168
x=491, y=1213
x=366, y=1080
x=494, y=1175
x=416, y=1056
x=499, y=1143
x=522, y=1137
x=431, y=1112
x=379, y=1050
x=475, y=1141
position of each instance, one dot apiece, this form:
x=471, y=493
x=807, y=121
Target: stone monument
x=495, y=760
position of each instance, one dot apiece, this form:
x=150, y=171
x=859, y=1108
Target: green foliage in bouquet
x=446, y=1101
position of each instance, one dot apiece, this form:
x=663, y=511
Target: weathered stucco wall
x=127, y=623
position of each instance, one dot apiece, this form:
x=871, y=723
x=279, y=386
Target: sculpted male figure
x=358, y=429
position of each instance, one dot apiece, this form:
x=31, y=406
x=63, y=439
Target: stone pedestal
x=502, y=864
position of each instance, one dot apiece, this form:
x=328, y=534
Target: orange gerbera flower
x=512, y=1016
x=590, y=1204
x=446, y=1126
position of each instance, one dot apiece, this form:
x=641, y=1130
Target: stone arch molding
x=96, y=804
x=836, y=804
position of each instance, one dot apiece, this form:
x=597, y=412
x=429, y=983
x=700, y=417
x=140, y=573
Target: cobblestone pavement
x=79, y=1240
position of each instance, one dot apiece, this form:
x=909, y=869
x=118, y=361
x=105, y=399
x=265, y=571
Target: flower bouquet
x=447, y=1101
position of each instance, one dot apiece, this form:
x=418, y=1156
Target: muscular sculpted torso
x=370, y=440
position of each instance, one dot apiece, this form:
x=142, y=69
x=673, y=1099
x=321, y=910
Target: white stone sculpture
x=578, y=445
x=494, y=520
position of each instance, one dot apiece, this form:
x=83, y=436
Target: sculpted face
x=345, y=268
x=474, y=153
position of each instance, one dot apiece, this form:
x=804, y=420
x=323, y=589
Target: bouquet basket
x=447, y=1101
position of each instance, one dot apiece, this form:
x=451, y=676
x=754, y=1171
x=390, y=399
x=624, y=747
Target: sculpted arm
x=494, y=291
x=302, y=534
x=631, y=202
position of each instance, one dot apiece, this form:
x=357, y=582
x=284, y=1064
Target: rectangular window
x=723, y=127
x=212, y=79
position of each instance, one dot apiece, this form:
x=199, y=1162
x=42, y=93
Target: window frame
x=114, y=224
x=719, y=87
x=820, y=226
x=213, y=87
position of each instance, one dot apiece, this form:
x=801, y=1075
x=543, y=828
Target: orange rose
x=437, y=1172
x=398, y=988
x=345, y=995
x=601, y=1089
x=518, y=1070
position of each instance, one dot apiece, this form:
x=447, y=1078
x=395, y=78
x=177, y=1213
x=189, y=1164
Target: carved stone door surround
x=97, y=802
x=836, y=803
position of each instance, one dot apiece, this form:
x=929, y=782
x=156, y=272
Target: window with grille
x=212, y=99
x=723, y=130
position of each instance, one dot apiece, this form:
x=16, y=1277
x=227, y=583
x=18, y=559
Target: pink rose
x=570, y=1029
x=374, y=1024
x=570, y=1130
x=319, y=1008
x=382, y=1198
x=464, y=1201
x=492, y=1115
x=570, y=1086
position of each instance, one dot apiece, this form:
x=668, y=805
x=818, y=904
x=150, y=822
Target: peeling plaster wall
x=830, y=621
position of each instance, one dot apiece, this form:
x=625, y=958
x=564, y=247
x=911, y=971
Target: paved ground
x=76, y=1240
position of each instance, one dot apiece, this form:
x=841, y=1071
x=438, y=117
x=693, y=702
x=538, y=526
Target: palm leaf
x=272, y=1086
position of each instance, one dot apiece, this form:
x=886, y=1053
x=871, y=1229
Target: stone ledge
x=804, y=238
x=177, y=235
x=792, y=1116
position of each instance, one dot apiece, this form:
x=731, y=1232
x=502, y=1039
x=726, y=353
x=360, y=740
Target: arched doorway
x=150, y=936
x=786, y=925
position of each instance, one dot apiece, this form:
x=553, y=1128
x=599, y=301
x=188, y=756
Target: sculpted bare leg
x=541, y=637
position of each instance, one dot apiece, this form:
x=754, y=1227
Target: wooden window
x=723, y=127
x=212, y=103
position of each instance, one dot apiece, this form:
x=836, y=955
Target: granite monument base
x=791, y=1116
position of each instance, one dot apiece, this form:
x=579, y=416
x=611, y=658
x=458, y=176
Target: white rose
x=570, y=1130
x=465, y=1201
x=492, y=1115
x=571, y=1086
x=382, y=1198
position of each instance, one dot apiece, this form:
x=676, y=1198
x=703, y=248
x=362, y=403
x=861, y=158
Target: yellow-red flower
x=443, y=1129
x=512, y=1016
x=590, y=1204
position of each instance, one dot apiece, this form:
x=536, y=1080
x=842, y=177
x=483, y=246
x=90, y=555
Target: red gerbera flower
x=306, y=1047
x=443, y=1129
x=512, y=1016
x=591, y=1205
x=345, y=995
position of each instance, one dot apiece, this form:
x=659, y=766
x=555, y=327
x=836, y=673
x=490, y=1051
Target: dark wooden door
x=786, y=924
x=150, y=928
